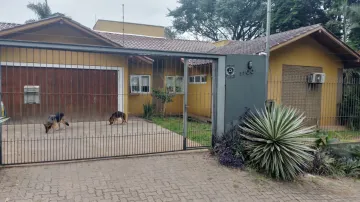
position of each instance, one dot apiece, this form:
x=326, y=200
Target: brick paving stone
x=177, y=177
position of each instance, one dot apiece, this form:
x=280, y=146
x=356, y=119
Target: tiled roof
x=234, y=47
x=159, y=44
x=258, y=45
x=5, y=25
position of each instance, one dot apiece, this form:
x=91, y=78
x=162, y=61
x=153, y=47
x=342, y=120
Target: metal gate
x=168, y=102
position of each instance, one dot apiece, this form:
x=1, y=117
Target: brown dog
x=116, y=117
x=54, y=122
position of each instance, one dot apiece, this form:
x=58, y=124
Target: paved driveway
x=171, y=177
x=29, y=142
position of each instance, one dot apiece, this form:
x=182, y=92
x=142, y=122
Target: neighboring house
x=295, y=53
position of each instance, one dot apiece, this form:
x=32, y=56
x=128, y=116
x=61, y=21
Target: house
x=92, y=85
x=87, y=85
x=164, y=72
x=294, y=55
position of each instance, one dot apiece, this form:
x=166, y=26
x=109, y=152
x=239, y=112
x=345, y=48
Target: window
x=170, y=84
x=174, y=84
x=191, y=79
x=197, y=79
x=179, y=84
x=31, y=94
x=140, y=83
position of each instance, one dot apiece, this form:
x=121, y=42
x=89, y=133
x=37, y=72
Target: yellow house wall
x=138, y=100
x=307, y=52
x=130, y=28
x=221, y=43
x=173, y=67
x=199, y=97
x=43, y=56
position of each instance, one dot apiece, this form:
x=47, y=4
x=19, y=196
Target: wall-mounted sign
x=230, y=71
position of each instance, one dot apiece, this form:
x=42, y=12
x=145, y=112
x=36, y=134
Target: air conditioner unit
x=316, y=78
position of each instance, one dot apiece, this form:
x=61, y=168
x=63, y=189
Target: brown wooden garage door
x=82, y=94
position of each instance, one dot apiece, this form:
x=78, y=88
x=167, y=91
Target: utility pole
x=267, y=49
x=123, y=11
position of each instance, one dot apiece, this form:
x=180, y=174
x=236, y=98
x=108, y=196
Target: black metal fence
x=88, y=87
x=333, y=106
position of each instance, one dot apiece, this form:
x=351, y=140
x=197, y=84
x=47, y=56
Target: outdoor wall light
x=250, y=65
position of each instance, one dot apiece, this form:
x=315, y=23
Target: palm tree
x=42, y=10
x=347, y=17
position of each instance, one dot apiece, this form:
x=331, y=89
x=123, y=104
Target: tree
x=344, y=16
x=164, y=96
x=293, y=14
x=354, y=35
x=338, y=13
x=42, y=11
x=220, y=19
x=170, y=33
x=344, y=20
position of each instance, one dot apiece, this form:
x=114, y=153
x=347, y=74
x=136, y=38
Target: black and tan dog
x=54, y=122
x=117, y=117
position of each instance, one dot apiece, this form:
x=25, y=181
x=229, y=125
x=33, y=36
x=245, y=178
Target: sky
x=87, y=11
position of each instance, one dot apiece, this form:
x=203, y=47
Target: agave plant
x=3, y=119
x=276, y=141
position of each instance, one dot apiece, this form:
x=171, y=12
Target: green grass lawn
x=342, y=136
x=345, y=136
x=197, y=131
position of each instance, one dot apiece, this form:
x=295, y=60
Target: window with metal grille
x=140, y=83
x=175, y=84
x=31, y=94
x=197, y=79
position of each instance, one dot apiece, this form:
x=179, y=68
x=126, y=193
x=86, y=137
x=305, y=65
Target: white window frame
x=140, y=84
x=175, y=77
x=201, y=75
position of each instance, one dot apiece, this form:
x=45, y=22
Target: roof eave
x=330, y=35
x=51, y=20
x=280, y=45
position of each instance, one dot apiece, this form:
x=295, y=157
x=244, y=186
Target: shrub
x=351, y=167
x=230, y=150
x=164, y=96
x=351, y=151
x=324, y=139
x=276, y=142
x=350, y=106
x=149, y=110
x=229, y=147
x=324, y=164
x=228, y=158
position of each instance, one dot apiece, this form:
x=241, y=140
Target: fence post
x=213, y=101
x=1, y=154
x=185, y=114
